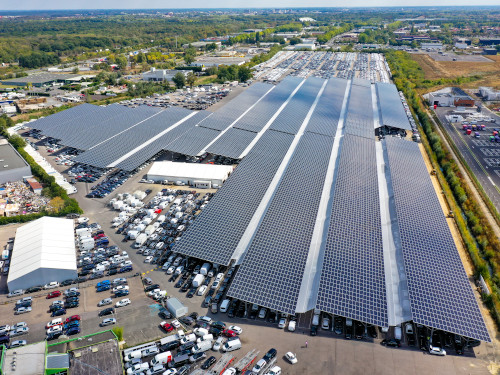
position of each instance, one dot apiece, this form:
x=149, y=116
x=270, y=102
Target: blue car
x=58, y=312
x=125, y=269
x=72, y=324
x=102, y=283
x=73, y=331
x=103, y=288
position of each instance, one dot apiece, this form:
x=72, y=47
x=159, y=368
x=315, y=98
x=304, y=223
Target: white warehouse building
x=44, y=251
x=193, y=174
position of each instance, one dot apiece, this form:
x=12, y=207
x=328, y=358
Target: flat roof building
x=161, y=75
x=12, y=165
x=41, y=79
x=44, y=251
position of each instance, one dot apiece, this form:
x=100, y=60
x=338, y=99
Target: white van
x=397, y=332
x=224, y=305
x=203, y=338
x=202, y=346
x=231, y=346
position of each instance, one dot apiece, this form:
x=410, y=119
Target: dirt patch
x=452, y=69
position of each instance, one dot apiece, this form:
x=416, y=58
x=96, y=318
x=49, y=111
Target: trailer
x=246, y=362
x=222, y=364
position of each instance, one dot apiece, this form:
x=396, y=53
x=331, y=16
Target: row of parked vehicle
x=109, y=184
x=7, y=332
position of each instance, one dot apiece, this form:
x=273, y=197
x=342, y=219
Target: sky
x=166, y=4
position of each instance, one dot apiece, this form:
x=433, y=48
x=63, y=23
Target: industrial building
x=488, y=93
x=450, y=97
x=197, y=175
x=44, y=251
x=43, y=79
x=12, y=165
x=161, y=75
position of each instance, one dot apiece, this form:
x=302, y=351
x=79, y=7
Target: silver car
x=108, y=322
x=19, y=331
x=104, y=302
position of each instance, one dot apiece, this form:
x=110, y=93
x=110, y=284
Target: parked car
x=22, y=310
x=54, y=294
x=105, y=301
x=108, y=322
x=107, y=311
x=123, y=302
x=58, y=312
x=51, y=285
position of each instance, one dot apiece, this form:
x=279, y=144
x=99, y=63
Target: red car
x=166, y=326
x=72, y=318
x=101, y=235
x=54, y=294
x=229, y=333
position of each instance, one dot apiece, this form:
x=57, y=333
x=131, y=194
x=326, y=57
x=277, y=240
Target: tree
x=211, y=47
x=294, y=41
x=75, y=70
x=244, y=74
x=188, y=59
x=121, y=61
x=17, y=141
x=191, y=79
x=179, y=79
x=56, y=204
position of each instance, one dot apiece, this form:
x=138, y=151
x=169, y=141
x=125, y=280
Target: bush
x=118, y=331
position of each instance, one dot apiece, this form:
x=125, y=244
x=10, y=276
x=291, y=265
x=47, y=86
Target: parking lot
x=481, y=154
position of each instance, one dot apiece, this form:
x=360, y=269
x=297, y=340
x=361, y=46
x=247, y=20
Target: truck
x=133, y=355
x=179, y=360
x=198, y=280
x=205, y=268
x=80, y=231
x=140, y=240
x=161, y=359
x=149, y=230
x=133, y=234
x=5, y=254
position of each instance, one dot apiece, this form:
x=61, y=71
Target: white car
x=436, y=350
x=51, y=285
x=170, y=270
x=22, y=310
x=326, y=323
x=24, y=299
x=120, y=287
x=176, y=323
x=170, y=371
x=259, y=365
x=205, y=319
x=108, y=322
x=54, y=329
x=202, y=290
x=218, y=344
x=54, y=322
x=105, y=301
x=236, y=329
x=71, y=290
x=119, y=280
x=19, y=325
x=123, y=302
x=276, y=370
x=17, y=344
x=292, y=358
x=291, y=325
x=219, y=277
x=19, y=331
x=148, y=259
x=15, y=293
x=282, y=323
x=4, y=329
x=82, y=220
x=230, y=371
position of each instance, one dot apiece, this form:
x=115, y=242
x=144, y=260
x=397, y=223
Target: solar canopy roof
x=391, y=108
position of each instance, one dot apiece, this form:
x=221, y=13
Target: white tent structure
x=44, y=251
x=193, y=174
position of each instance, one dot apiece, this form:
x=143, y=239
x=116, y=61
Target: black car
x=53, y=308
x=72, y=299
x=179, y=283
x=372, y=331
x=80, y=280
x=216, y=332
x=70, y=305
x=208, y=363
x=183, y=352
x=230, y=312
x=112, y=272
x=58, y=312
x=170, y=346
x=219, y=325
x=391, y=342
x=359, y=330
x=23, y=304
x=107, y=311
x=348, y=331
x=187, y=320
x=185, y=287
x=121, y=293
x=188, y=345
x=34, y=289
x=72, y=294
x=191, y=292
x=54, y=335
x=194, y=315
x=271, y=353
x=164, y=313
x=314, y=330
x=67, y=282
x=151, y=287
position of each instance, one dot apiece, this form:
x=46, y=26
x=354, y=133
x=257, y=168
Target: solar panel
x=439, y=289
x=216, y=232
x=146, y=153
x=361, y=82
x=325, y=117
x=359, y=120
x=232, y=143
x=114, y=148
x=352, y=282
x=255, y=119
x=391, y=108
x=193, y=141
x=67, y=116
x=273, y=267
x=293, y=115
x=226, y=115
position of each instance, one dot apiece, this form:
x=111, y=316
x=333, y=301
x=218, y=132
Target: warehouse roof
x=187, y=170
x=44, y=243
x=9, y=157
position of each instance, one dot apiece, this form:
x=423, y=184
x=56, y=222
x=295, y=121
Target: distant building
x=432, y=46
x=43, y=79
x=35, y=186
x=202, y=45
x=490, y=51
x=489, y=41
x=489, y=94
x=450, y=97
x=161, y=75
x=12, y=165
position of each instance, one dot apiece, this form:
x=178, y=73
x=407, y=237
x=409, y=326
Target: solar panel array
x=146, y=153
x=114, y=148
x=291, y=118
x=359, y=120
x=391, y=108
x=214, y=235
x=227, y=114
x=325, y=117
x=193, y=141
x=232, y=143
x=255, y=119
x=361, y=82
x=67, y=116
x=440, y=292
x=352, y=282
x=272, y=270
